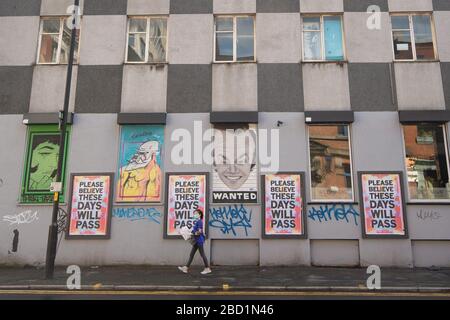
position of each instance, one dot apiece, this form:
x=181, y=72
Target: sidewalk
x=242, y=278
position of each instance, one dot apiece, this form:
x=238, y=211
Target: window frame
x=62, y=21
x=234, y=38
x=322, y=38
x=412, y=35
x=430, y=201
x=312, y=200
x=147, y=38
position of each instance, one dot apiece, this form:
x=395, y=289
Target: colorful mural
x=41, y=164
x=139, y=172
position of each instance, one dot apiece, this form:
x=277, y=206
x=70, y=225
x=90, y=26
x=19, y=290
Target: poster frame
x=363, y=214
x=304, y=234
x=166, y=202
x=110, y=207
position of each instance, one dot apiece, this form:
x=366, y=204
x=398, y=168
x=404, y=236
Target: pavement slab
x=234, y=278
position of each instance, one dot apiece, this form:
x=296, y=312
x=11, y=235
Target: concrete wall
x=233, y=87
x=329, y=78
x=410, y=5
x=23, y=52
x=333, y=230
x=334, y=252
x=234, y=6
x=278, y=85
x=100, y=45
x=364, y=44
x=48, y=88
x=144, y=88
x=314, y=6
x=279, y=38
x=419, y=86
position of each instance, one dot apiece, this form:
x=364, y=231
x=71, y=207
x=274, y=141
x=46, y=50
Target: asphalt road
x=197, y=296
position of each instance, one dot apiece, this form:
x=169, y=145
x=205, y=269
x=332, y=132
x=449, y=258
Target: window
x=426, y=161
x=322, y=38
x=54, y=41
x=41, y=164
x=234, y=39
x=147, y=40
x=330, y=163
x=413, y=37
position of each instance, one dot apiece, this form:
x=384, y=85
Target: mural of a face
x=44, y=162
x=234, y=162
x=140, y=178
x=143, y=155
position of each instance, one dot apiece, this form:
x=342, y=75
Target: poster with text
x=382, y=206
x=235, y=164
x=185, y=193
x=139, y=173
x=90, y=206
x=283, y=205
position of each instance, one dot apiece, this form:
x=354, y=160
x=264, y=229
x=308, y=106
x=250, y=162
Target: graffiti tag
x=428, y=215
x=133, y=214
x=228, y=219
x=21, y=218
x=337, y=212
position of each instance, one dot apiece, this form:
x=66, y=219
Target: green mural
x=41, y=164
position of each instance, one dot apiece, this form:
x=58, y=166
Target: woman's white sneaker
x=183, y=269
x=206, y=271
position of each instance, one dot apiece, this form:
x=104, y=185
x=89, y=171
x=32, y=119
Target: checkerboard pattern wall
x=190, y=82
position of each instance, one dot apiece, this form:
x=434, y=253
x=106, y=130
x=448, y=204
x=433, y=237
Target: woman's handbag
x=192, y=240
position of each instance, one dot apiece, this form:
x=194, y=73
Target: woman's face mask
x=196, y=216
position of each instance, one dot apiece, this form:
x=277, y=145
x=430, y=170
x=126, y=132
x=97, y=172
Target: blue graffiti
x=338, y=212
x=228, y=219
x=134, y=214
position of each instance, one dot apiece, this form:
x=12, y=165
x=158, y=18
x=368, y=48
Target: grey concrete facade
x=279, y=85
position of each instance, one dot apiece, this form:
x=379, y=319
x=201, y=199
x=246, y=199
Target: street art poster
x=139, y=173
x=90, y=206
x=41, y=164
x=185, y=193
x=382, y=204
x=283, y=201
x=235, y=166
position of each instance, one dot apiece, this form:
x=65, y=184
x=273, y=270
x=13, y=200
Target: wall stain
x=15, y=242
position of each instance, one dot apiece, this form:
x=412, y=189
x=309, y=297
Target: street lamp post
x=53, y=228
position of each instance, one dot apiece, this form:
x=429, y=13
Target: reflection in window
x=331, y=174
x=322, y=38
x=413, y=37
x=235, y=38
x=147, y=40
x=55, y=38
x=426, y=161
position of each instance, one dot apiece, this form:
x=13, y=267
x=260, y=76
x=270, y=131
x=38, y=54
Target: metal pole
x=53, y=228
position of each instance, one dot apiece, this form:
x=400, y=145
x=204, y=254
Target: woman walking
x=199, y=236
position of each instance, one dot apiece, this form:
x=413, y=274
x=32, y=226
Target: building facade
x=338, y=87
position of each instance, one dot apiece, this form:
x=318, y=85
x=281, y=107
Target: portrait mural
x=41, y=164
x=139, y=173
x=235, y=163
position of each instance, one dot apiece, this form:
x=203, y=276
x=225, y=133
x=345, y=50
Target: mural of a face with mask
x=44, y=163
